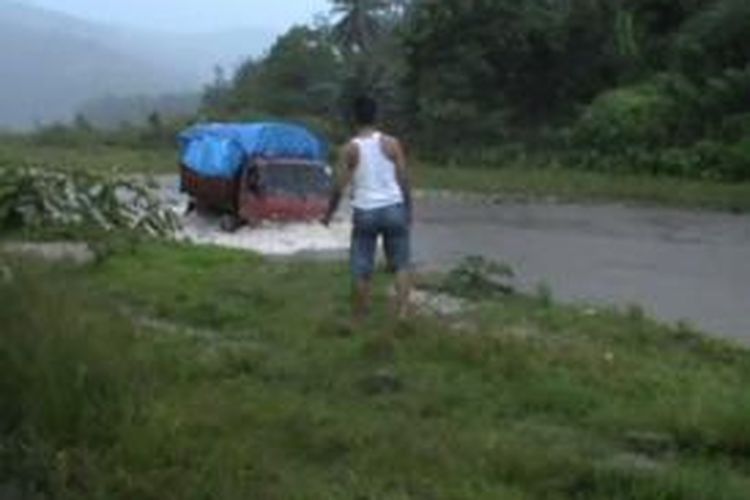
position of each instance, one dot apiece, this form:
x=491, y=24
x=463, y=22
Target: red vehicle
x=265, y=189
x=259, y=187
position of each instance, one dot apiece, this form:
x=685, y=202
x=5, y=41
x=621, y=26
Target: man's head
x=365, y=111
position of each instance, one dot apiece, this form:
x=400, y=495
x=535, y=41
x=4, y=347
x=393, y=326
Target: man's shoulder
x=389, y=142
x=350, y=152
x=388, y=137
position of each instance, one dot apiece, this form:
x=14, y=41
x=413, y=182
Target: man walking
x=375, y=166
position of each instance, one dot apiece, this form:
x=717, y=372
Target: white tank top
x=375, y=184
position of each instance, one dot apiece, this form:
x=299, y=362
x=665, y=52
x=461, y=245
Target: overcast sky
x=192, y=15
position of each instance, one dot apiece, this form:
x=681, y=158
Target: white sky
x=192, y=15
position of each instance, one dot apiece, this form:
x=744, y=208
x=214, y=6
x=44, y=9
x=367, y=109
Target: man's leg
x=362, y=299
x=397, y=243
x=403, y=291
x=362, y=261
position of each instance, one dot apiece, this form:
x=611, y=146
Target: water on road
x=677, y=265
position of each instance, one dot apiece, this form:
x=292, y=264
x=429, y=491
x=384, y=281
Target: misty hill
x=110, y=112
x=52, y=62
x=198, y=54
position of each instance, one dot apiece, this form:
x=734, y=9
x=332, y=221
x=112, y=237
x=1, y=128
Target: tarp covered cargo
x=221, y=149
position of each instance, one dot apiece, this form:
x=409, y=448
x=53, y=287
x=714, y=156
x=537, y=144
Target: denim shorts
x=392, y=223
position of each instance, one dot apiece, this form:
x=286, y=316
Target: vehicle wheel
x=229, y=223
x=253, y=223
x=191, y=207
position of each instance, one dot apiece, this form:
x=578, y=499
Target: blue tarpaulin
x=220, y=149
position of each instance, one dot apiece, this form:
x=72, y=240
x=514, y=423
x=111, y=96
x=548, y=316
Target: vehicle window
x=295, y=180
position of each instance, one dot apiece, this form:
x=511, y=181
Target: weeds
x=545, y=295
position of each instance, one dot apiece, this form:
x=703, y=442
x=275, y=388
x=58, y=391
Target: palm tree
x=360, y=24
x=364, y=31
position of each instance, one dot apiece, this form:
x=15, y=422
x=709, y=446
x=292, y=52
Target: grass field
x=101, y=158
x=576, y=185
x=171, y=372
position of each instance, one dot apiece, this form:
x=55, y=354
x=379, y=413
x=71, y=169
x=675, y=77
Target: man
x=375, y=165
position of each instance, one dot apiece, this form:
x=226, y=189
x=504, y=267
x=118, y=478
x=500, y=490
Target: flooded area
x=677, y=265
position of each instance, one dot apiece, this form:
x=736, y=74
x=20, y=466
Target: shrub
x=735, y=162
x=713, y=160
x=669, y=125
x=735, y=127
x=638, y=116
x=476, y=277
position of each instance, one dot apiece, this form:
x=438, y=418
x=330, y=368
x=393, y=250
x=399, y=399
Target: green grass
x=175, y=372
x=22, y=151
x=573, y=185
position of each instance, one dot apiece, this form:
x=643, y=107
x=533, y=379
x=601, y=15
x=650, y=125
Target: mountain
x=52, y=62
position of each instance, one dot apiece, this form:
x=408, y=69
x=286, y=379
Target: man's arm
x=395, y=152
x=343, y=177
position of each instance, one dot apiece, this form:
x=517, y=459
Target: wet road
x=677, y=265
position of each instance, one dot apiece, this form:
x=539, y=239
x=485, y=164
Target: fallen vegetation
x=49, y=199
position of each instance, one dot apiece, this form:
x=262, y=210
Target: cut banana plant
x=45, y=197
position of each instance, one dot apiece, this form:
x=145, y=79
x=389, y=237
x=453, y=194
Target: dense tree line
x=661, y=86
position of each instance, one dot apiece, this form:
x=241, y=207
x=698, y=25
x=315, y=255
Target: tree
x=359, y=25
x=215, y=95
x=368, y=34
x=647, y=29
x=155, y=122
x=482, y=69
x=82, y=124
x=300, y=76
x=715, y=39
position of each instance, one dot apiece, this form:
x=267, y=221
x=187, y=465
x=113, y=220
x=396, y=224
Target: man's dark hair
x=365, y=110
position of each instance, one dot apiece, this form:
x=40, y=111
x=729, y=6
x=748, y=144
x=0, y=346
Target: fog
x=192, y=16
x=52, y=62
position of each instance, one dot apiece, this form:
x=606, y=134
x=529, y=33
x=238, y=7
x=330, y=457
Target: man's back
x=375, y=181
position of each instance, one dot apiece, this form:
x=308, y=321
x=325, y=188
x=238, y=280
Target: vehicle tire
x=229, y=223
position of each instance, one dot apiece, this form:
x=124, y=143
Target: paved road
x=678, y=265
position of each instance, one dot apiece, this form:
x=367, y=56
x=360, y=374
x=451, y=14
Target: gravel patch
x=438, y=304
